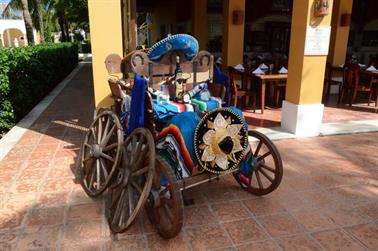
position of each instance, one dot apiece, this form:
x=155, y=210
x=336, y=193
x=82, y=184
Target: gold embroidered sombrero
x=220, y=141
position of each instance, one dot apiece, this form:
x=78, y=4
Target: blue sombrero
x=185, y=44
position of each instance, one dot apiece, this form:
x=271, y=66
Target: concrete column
x=2, y=40
x=302, y=110
x=106, y=37
x=233, y=34
x=339, y=35
x=199, y=21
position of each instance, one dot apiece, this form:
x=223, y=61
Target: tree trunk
x=61, y=25
x=28, y=22
x=40, y=20
x=67, y=30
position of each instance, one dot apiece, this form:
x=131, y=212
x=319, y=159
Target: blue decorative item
x=137, y=103
x=179, y=42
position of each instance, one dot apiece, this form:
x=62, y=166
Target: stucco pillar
x=233, y=34
x=339, y=36
x=199, y=21
x=302, y=109
x=106, y=37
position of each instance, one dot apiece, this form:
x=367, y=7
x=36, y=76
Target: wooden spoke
x=107, y=157
x=266, y=175
x=98, y=173
x=103, y=167
x=100, y=131
x=267, y=168
x=110, y=147
x=105, y=140
x=259, y=179
x=93, y=135
x=258, y=148
x=168, y=212
x=131, y=202
x=164, y=191
x=264, y=156
x=262, y=169
x=136, y=184
x=141, y=171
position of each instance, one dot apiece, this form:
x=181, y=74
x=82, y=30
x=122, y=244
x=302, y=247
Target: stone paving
x=328, y=199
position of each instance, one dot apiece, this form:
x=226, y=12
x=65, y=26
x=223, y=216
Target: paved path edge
x=15, y=134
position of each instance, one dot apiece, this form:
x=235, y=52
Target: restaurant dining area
x=289, y=64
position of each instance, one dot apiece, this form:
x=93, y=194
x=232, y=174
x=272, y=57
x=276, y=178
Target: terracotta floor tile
x=52, y=199
x=57, y=185
x=370, y=211
x=47, y=216
x=264, y=206
x=41, y=155
x=367, y=234
x=135, y=229
x=14, y=166
x=33, y=174
x=334, y=240
x=82, y=246
x=245, y=231
x=45, y=237
x=207, y=237
x=82, y=232
x=8, y=240
x=314, y=221
x=78, y=196
x=280, y=224
x=346, y=216
x=230, y=211
x=131, y=243
x=25, y=186
x=20, y=202
x=37, y=164
x=259, y=246
x=219, y=195
x=157, y=243
x=46, y=147
x=11, y=220
x=299, y=243
x=200, y=215
x=93, y=211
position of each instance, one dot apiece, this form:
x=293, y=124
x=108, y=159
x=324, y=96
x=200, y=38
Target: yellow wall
x=306, y=73
x=339, y=36
x=199, y=17
x=106, y=38
x=233, y=35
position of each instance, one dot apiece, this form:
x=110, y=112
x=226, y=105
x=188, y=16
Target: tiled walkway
x=328, y=199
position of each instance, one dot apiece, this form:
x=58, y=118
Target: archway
x=13, y=37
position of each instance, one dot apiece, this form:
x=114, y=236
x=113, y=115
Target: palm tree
x=40, y=20
x=28, y=21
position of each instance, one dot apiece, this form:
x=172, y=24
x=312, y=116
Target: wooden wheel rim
x=100, y=152
x=261, y=169
x=167, y=217
x=133, y=185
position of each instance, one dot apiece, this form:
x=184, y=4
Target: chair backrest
x=200, y=68
x=115, y=88
x=234, y=76
x=351, y=76
x=113, y=63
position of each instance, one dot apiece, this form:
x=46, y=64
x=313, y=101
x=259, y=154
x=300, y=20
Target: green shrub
x=27, y=74
x=85, y=47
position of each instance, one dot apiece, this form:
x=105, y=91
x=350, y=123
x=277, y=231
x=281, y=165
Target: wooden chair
x=351, y=84
x=279, y=92
x=240, y=92
x=330, y=80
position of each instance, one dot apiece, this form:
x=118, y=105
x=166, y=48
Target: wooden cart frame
x=131, y=171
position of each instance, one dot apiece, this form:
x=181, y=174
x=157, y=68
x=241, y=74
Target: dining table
x=268, y=79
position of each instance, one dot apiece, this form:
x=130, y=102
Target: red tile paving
x=328, y=199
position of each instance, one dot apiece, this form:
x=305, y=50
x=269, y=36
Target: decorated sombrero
x=220, y=141
x=182, y=44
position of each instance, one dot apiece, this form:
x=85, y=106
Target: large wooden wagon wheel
x=165, y=207
x=131, y=188
x=266, y=167
x=100, y=152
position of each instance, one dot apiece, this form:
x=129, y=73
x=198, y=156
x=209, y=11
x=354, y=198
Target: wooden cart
x=131, y=170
